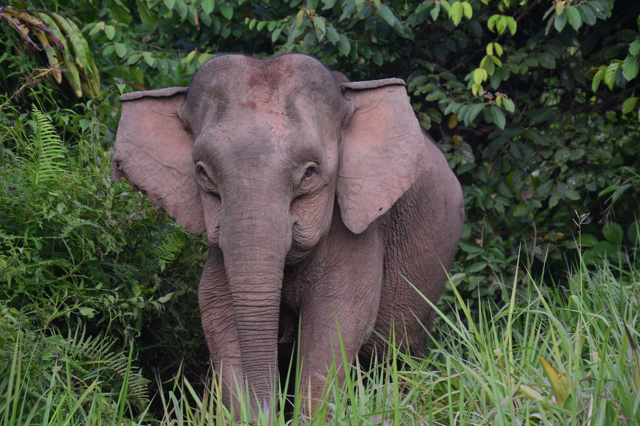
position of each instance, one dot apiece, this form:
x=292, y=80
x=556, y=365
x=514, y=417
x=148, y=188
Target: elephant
x=322, y=200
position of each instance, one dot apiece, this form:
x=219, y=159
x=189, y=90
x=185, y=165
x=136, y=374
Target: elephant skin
x=321, y=198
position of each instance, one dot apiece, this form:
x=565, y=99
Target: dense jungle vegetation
x=533, y=103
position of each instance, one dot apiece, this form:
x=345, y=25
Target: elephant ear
x=383, y=151
x=153, y=152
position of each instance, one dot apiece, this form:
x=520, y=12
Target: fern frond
x=171, y=246
x=46, y=151
x=94, y=356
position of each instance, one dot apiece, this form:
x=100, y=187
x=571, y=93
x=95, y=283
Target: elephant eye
x=202, y=171
x=309, y=172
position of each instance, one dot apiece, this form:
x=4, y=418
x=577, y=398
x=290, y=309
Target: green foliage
x=75, y=245
x=534, y=104
x=47, y=377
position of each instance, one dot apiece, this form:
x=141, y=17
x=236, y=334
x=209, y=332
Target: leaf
x=110, y=31
x=435, y=11
x=619, y=192
x=587, y=240
x=512, y=24
x=456, y=13
x=629, y=104
x=170, y=4
x=182, y=9
x=226, y=10
x=208, y=6
x=387, y=15
x=276, y=34
x=498, y=116
x=509, y=105
x=613, y=233
x=630, y=67
x=328, y=4
x=574, y=17
x=121, y=49
x=165, y=299
x=333, y=35
x=470, y=247
x=343, y=45
x=494, y=147
x=610, y=74
x=543, y=114
x=597, y=78
x=299, y=18
x=634, y=48
x=148, y=58
x=561, y=21
x=587, y=15
x=559, y=386
x=467, y=10
x=547, y=60
x=475, y=110
x=320, y=28
x=146, y=16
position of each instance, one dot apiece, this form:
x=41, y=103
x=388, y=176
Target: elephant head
x=255, y=152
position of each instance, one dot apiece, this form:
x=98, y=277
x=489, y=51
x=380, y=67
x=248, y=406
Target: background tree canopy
x=533, y=102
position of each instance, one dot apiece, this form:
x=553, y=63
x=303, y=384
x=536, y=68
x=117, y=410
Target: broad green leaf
x=435, y=11
x=170, y=4
x=148, y=58
x=613, y=233
x=121, y=49
x=181, y=8
x=597, y=78
x=475, y=110
x=470, y=247
x=574, y=17
x=629, y=104
x=276, y=34
x=560, y=22
x=299, y=18
x=110, y=31
x=387, y=15
x=612, y=71
x=509, y=105
x=226, y=10
x=328, y=4
x=587, y=15
x=333, y=35
x=343, y=45
x=320, y=28
x=619, y=192
x=630, y=67
x=572, y=194
x=587, y=240
x=634, y=48
x=512, y=24
x=133, y=59
x=208, y=6
x=146, y=16
x=498, y=116
x=547, y=61
x=467, y=10
x=456, y=13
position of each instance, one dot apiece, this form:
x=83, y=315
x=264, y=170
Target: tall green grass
x=564, y=355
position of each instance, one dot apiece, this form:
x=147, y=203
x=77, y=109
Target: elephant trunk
x=255, y=238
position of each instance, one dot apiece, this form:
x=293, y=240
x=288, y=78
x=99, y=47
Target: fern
x=94, y=356
x=171, y=246
x=45, y=153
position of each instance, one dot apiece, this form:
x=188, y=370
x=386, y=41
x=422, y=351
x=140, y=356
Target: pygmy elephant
x=322, y=200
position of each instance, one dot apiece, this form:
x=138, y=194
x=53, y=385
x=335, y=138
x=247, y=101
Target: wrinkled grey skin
x=318, y=199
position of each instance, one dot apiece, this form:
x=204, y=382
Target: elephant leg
x=342, y=307
x=220, y=329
